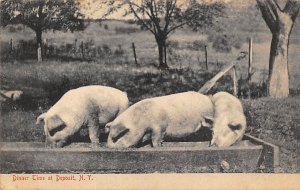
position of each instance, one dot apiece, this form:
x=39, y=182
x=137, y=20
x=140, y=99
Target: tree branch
x=141, y=8
x=175, y=27
x=267, y=14
x=144, y=24
x=274, y=7
x=292, y=8
x=167, y=18
x=154, y=19
x=169, y=12
x=278, y=7
x=155, y=8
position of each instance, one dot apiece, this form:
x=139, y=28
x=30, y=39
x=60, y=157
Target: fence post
x=249, y=67
x=206, y=64
x=134, y=53
x=82, y=49
x=234, y=78
x=39, y=52
x=11, y=46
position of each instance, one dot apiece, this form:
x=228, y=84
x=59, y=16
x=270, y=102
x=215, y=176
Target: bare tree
x=162, y=17
x=280, y=22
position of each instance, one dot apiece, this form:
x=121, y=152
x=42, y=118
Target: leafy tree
x=42, y=15
x=280, y=22
x=163, y=17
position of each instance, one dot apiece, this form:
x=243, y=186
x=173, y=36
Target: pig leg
x=93, y=132
x=60, y=143
x=157, y=137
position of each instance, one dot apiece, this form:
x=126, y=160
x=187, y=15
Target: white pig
x=229, y=122
x=92, y=106
x=176, y=115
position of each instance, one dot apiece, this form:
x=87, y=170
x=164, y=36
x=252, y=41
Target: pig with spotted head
x=177, y=115
x=91, y=106
x=229, y=121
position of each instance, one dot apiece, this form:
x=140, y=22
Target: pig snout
x=228, y=136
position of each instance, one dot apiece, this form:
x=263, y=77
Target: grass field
x=181, y=57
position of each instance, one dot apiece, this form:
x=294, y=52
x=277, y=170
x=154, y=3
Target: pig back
x=89, y=101
x=227, y=104
x=106, y=99
x=184, y=113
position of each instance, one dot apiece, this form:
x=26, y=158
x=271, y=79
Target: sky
x=95, y=8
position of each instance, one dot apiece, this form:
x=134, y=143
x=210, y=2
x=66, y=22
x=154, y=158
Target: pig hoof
x=51, y=145
x=157, y=145
x=60, y=144
x=95, y=146
x=47, y=145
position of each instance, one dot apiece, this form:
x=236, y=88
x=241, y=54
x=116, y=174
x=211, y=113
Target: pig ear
x=40, y=118
x=235, y=127
x=208, y=121
x=108, y=125
x=120, y=131
x=55, y=121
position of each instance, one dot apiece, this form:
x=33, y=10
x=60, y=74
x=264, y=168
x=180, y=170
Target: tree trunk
x=278, y=66
x=39, y=32
x=278, y=63
x=165, y=54
x=280, y=22
x=39, y=45
x=161, y=43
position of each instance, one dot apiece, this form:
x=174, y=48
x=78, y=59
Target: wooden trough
x=250, y=155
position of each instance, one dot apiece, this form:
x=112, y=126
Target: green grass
x=277, y=121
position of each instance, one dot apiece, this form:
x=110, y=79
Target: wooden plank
x=36, y=158
x=234, y=78
x=270, y=158
x=208, y=85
